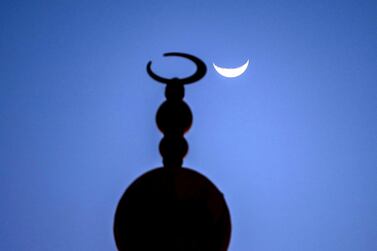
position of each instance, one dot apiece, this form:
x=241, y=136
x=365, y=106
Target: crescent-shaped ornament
x=201, y=70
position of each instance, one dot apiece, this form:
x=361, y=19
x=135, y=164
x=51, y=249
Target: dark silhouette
x=173, y=208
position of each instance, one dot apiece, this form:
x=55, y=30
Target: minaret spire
x=173, y=208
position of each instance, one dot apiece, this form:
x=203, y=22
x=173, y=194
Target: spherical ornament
x=174, y=117
x=173, y=148
x=175, y=91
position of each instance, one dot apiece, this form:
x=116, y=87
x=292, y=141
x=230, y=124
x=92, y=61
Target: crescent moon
x=231, y=72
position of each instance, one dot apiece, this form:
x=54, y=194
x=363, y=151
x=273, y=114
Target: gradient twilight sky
x=292, y=143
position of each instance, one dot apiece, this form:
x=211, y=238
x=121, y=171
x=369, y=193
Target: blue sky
x=292, y=143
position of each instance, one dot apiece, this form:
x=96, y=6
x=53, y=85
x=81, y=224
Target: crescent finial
x=201, y=70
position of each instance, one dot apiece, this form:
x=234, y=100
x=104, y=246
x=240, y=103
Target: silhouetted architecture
x=173, y=208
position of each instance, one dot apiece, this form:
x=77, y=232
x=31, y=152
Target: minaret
x=173, y=208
